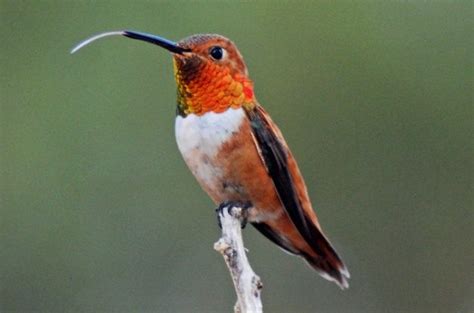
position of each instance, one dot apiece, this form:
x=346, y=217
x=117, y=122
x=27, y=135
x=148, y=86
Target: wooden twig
x=247, y=284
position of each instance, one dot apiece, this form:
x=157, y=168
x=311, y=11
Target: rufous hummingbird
x=235, y=150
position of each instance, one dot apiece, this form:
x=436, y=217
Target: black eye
x=217, y=52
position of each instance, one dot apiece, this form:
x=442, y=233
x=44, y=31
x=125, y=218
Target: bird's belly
x=200, y=140
x=219, y=150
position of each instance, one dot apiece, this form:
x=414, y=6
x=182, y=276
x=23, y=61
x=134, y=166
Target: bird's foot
x=237, y=209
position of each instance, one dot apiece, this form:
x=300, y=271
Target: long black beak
x=162, y=42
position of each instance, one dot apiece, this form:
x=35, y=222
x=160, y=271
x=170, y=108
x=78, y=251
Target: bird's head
x=211, y=76
x=210, y=72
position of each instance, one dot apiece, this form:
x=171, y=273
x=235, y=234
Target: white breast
x=199, y=139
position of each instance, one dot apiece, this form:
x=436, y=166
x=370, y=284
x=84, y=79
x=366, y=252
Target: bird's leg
x=241, y=214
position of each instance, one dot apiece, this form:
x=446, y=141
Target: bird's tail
x=326, y=261
x=320, y=255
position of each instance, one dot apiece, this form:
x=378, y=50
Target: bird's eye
x=217, y=53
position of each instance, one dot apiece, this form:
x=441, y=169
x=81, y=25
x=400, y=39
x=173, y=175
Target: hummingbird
x=235, y=150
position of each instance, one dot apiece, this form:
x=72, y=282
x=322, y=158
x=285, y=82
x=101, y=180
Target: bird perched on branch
x=235, y=150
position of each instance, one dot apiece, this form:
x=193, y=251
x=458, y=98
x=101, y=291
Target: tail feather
x=325, y=260
x=330, y=270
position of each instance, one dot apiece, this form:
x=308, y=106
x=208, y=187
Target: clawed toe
x=229, y=206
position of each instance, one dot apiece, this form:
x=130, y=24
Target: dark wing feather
x=275, y=159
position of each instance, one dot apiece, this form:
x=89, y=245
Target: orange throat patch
x=212, y=88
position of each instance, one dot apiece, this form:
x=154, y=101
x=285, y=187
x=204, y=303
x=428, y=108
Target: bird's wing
x=274, y=154
x=289, y=184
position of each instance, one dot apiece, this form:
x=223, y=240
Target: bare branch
x=247, y=284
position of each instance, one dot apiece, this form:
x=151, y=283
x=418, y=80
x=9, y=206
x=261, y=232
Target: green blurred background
x=100, y=214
